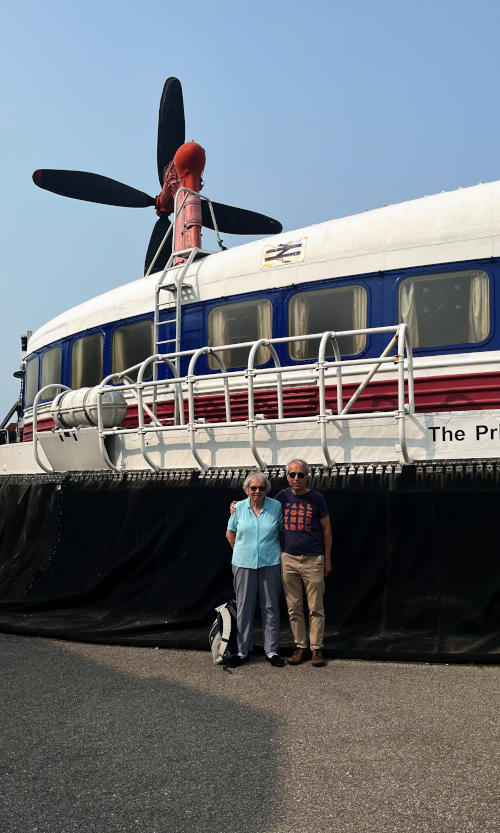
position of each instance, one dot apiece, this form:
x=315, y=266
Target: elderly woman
x=254, y=533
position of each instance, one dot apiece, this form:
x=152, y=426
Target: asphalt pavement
x=106, y=738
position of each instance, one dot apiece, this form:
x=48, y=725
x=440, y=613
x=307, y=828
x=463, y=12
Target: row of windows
x=440, y=310
x=131, y=344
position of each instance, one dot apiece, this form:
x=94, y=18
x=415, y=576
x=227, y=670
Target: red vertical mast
x=189, y=162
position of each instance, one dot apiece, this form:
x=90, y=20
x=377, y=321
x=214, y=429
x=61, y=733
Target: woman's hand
x=232, y=508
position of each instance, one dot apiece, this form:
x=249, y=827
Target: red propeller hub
x=185, y=169
x=190, y=162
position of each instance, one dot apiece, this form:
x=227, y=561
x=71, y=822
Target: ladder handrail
x=175, y=288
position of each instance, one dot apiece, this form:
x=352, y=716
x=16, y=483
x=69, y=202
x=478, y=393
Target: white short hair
x=256, y=475
x=302, y=463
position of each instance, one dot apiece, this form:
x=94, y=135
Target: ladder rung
x=172, y=287
x=170, y=306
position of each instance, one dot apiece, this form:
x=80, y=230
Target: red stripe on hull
x=432, y=393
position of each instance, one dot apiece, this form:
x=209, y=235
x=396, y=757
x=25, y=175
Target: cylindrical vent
x=78, y=408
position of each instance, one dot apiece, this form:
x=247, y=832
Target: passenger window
x=31, y=381
x=131, y=344
x=443, y=309
x=336, y=308
x=243, y=321
x=51, y=370
x=86, y=361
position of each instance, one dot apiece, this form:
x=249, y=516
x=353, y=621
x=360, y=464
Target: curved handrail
x=251, y=404
x=177, y=394
x=36, y=400
x=101, y=389
x=332, y=338
x=191, y=381
x=130, y=386
x=404, y=342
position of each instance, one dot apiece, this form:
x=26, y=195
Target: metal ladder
x=171, y=339
x=167, y=332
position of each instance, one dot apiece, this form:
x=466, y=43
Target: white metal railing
x=182, y=390
x=39, y=396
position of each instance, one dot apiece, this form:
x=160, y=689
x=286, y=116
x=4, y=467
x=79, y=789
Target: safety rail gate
x=182, y=389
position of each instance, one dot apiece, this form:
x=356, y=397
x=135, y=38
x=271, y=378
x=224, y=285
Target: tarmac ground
x=109, y=738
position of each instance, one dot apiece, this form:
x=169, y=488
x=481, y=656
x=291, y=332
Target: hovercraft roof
x=451, y=226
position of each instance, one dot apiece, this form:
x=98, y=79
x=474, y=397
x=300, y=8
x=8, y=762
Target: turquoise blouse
x=257, y=538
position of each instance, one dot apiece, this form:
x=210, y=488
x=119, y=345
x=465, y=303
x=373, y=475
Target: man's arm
x=231, y=537
x=326, y=529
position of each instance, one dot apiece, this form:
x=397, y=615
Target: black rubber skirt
x=144, y=561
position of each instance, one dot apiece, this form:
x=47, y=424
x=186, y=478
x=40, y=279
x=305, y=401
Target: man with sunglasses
x=306, y=561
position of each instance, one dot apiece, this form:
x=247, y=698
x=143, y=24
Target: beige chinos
x=307, y=572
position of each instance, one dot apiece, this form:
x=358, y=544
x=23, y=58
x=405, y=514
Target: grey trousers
x=266, y=582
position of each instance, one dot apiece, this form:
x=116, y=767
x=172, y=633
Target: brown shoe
x=299, y=655
x=317, y=658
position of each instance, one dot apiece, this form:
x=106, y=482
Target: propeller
x=81, y=185
x=91, y=187
x=234, y=220
x=160, y=229
x=171, y=130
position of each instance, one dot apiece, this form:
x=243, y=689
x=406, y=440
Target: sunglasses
x=257, y=488
x=294, y=474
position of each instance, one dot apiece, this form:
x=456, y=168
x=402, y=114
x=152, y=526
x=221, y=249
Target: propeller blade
x=238, y=220
x=91, y=187
x=160, y=229
x=171, y=129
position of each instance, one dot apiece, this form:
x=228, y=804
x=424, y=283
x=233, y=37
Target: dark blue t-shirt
x=302, y=515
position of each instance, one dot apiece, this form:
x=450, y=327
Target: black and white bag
x=223, y=633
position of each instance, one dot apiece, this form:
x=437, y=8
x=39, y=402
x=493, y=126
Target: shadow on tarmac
x=85, y=747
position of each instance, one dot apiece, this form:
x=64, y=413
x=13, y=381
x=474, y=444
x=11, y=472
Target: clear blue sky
x=306, y=113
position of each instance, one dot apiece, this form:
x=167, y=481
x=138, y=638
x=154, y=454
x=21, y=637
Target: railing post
x=401, y=415
x=191, y=380
x=251, y=404
x=409, y=362
x=140, y=384
x=328, y=336
x=266, y=342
